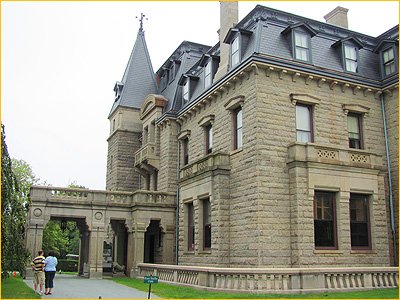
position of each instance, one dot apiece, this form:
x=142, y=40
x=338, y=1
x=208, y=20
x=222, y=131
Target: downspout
x=177, y=202
x=390, y=182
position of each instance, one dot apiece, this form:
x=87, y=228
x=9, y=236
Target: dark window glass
x=190, y=220
x=324, y=220
x=354, y=129
x=207, y=223
x=238, y=129
x=185, y=146
x=303, y=123
x=209, y=138
x=359, y=221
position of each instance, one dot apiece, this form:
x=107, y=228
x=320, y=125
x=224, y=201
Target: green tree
x=14, y=205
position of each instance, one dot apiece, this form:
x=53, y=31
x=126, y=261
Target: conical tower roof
x=139, y=78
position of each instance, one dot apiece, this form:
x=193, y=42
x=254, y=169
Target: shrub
x=68, y=265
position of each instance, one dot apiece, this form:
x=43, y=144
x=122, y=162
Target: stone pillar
x=34, y=238
x=139, y=230
x=168, y=256
x=96, y=240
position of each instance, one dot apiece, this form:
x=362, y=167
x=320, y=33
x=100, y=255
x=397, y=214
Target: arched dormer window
x=237, y=38
x=349, y=52
x=299, y=36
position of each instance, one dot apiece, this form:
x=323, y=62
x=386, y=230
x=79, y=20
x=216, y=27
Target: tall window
x=354, y=129
x=190, y=222
x=235, y=55
x=207, y=74
x=388, y=62
x=304, y=123
x=185, y=150
x=359, y=222
x=207, y=224
x=209, y=138
x=324, y=220
x=185, y=93
x=302, y=50
x=350, y=58
x=238, y=128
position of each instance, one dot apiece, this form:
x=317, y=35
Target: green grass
x=171, y=291
x=15, y=288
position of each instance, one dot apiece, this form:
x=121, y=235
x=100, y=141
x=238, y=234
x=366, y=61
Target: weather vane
x=141, y=21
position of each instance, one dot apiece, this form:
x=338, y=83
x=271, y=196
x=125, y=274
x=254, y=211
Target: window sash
x=186, y=91
x=354, y=131
x=185, y=146
x=238, y=129
x=235, y=58
x=359, y=222
x=207, y=224
x=303, y=123
x=388, y=61
x=325, y=220
x=209, y=139
x=191, y=229
x=350, y=54
x=207, y=75
x=301, y=46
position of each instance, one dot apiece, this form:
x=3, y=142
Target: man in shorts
x=38, y=271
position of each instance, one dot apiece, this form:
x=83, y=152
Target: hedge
x=68, y=265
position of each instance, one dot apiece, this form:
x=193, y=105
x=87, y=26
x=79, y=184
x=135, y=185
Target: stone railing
x=147, y=153
x=213, y=161
x=84, y=196
x=275, y=280
x=330, y=155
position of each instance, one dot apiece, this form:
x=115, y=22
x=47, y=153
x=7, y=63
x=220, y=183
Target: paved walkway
x=72, y=286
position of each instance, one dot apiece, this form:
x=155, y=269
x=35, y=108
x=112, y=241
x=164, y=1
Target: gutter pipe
x=393, y=230
x=177, y=203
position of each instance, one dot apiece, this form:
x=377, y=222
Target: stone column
x=96, y=240
x=34, y=238
x=168, y=256
x=138, y=246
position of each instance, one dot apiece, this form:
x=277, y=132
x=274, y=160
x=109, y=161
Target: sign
x=150, y=279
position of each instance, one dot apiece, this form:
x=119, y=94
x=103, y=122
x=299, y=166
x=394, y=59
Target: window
x=389, y=65
x=301, y=46
x=190, y=222
x=324, y=220
x=209, y=138
x=208, y=74
x=155, y=182
x=304, y=123
x=185, y=146
x=354, y=129
x=235, y=54
x=238, y=128
x=186, y=91
x=350, y=58
x=359, y=222
x=207, y=224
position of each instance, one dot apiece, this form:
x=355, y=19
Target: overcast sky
x=60, y=61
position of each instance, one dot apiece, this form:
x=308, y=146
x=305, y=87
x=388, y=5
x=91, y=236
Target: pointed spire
x=142, y=15
x=139, y=79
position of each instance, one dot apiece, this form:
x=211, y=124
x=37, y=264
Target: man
x=38, y=271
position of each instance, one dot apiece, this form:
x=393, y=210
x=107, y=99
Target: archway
x=153, y=243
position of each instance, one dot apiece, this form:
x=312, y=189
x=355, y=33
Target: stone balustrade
x=309, y=152
x=213, y=161
x=84, y=196
x=275, y=280
x=147, y=153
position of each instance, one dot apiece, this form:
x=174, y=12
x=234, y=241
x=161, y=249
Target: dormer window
x=350, y=58
x=302, y=46
x=235, y=54
x=185, y=91
x=118, y=89
x=208, y=74
x=299, y=36
x=389, y=66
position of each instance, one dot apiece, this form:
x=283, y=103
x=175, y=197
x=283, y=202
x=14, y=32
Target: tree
x=14, y=205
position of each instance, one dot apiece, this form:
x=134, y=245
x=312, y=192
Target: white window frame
x=208, y=74
x=235, y=52
x=186, y=91
x=350, y=58
x=391, y=61
x=299, y=45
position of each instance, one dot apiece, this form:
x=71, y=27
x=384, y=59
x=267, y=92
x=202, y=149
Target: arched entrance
x=153, y=243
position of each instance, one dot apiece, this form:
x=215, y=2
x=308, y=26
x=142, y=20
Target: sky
x=60, y=61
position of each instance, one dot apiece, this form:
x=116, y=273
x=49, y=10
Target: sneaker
x=41, y=293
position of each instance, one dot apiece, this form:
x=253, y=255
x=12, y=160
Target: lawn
x=171, y=291
x=15, y=288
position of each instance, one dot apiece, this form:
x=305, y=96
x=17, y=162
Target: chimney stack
x=229, y=15
x=338, y=17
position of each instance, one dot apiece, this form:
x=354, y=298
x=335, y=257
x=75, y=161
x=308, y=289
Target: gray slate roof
x=138, y=79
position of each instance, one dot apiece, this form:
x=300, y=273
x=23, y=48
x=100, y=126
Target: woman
x=50, y=271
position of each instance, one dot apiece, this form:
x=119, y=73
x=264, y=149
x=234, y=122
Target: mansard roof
x=138, y=80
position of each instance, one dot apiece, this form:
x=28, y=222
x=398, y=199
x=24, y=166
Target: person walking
x=38, y=271
x=50, y=271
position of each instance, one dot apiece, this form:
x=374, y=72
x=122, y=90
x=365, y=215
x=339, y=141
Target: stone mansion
x=276, y=147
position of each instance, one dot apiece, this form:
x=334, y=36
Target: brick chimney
x=338, y=17
x=229, y=15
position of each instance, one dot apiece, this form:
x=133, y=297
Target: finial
x=141, y=21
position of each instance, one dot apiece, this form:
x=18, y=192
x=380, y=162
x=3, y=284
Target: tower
x=125, y=125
